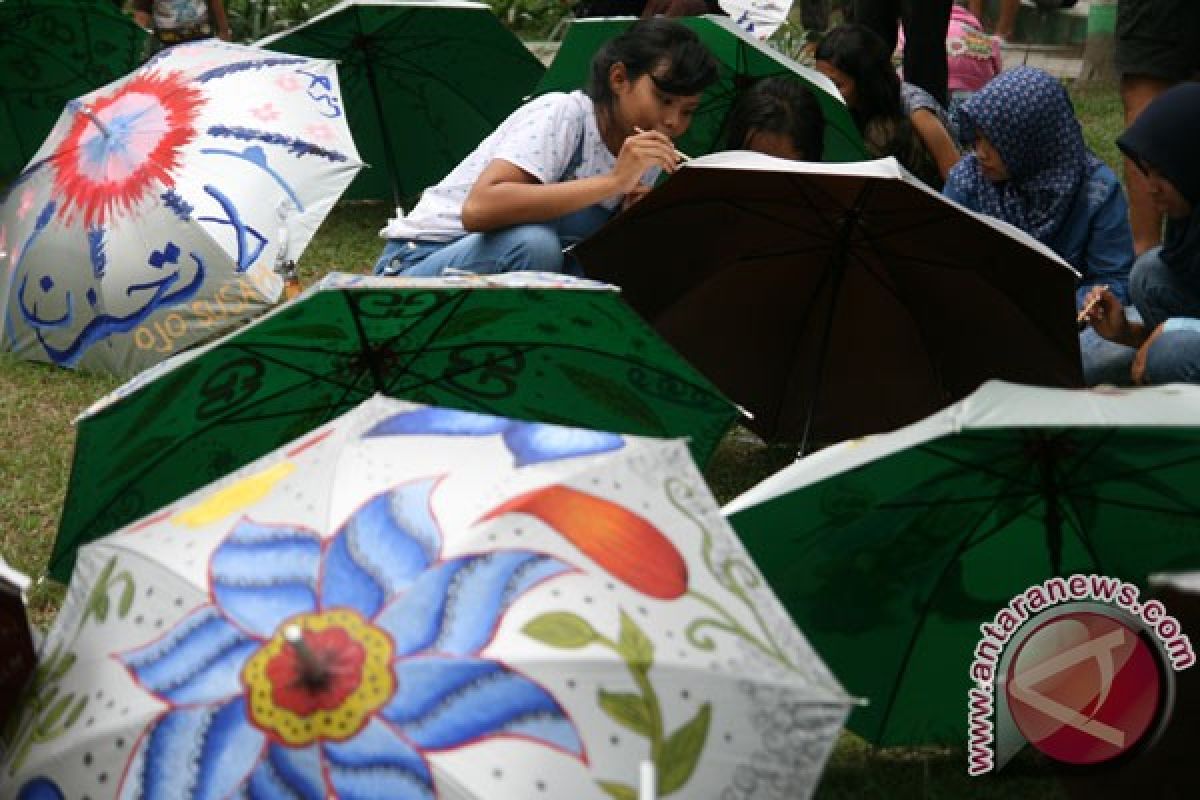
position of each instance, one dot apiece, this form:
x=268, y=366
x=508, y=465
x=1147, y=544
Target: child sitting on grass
x=562, y=164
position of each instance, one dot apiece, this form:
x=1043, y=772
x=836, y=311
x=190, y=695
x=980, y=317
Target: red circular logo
x=1084, y=687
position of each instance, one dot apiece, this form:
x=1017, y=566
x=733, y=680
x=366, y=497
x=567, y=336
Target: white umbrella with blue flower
x=415, y=602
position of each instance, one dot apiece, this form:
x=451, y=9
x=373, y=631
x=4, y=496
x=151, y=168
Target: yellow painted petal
x=237, y=497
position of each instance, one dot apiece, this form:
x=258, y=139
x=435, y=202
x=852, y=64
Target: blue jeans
x=535, y=247
x=1161, y=294
x=1105, y=361
x=1158, y=291
x=1174, y=358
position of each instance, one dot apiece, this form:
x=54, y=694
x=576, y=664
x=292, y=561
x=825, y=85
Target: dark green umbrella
x=742, y=58
x=891, y=551
x=50, y=52
x=423, y=83
x=527, y=347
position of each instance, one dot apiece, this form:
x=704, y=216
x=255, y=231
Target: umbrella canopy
x=526, y=346
x=742, y=59
x=52, y=51
x=892, y=551
x=414, y=602
x=17, y=657
x=424, y=84
x=155, y=213
x=834, y=300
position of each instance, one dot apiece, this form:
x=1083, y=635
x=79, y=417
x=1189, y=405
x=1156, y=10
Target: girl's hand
x=1104, y=312
x=640, y=152
x=635, y=194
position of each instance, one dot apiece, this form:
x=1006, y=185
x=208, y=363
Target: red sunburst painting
x=123, y=144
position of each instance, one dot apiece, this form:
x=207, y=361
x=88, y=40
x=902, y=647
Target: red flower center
x=341, y=660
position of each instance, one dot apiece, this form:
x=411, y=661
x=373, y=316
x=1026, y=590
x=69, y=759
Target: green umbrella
x=891, y=551
x=742, y=58
x=423, y=84
x=542, y=348
x=50, y=52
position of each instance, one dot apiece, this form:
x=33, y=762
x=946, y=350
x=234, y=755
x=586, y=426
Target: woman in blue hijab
x=1031, y=168
x=1165, y=284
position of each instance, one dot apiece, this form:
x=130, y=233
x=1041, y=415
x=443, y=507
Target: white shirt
x=539, y=137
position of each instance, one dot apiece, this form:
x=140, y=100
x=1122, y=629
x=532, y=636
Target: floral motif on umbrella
x=396, y=632
x=124, y=144
x=529, y=442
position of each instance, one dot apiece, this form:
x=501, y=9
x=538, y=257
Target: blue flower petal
x=376, y=764
x=200, y=753
x=444, y=421
x=414, y=620
x=444, y=702
x=455, y=607
x=262, y=575
x=535, y=442
x=198, y=661
x=40, y=789
x=288, y=773
x=381, y=549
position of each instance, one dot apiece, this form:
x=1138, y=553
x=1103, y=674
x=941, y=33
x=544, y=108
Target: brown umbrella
x=17, y=658
x=835, y=300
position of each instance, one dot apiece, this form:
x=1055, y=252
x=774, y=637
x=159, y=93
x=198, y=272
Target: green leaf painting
x=561, y=629
x=681, y=752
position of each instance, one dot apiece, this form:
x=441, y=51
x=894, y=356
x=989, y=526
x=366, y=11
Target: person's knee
x=391, y=260
x=534, y=248
x=1148, y=273
x=1174, y=357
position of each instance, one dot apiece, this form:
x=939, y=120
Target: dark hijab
x=1164, y=137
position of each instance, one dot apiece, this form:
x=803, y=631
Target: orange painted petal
x=622, y=542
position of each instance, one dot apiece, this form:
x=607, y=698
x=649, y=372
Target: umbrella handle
x=648, y=781
x=91, y=115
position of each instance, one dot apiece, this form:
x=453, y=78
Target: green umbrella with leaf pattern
x=52, y=51
x=545, y=348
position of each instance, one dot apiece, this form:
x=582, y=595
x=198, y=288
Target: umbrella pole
x=362, y=42
x=841, y=259
x=1053, y=514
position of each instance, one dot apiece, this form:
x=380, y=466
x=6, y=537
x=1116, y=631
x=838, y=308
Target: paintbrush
x=1082, y=318
x=682, y=156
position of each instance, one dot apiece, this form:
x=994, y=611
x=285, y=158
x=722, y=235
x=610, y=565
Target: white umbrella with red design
x=155, y=213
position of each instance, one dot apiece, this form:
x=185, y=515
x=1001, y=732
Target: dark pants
x=925, y=24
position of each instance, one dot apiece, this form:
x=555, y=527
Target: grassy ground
x=37, y=404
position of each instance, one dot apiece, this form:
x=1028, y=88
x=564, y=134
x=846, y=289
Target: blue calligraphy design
x=164, y=291
x=180, y=207
x=297, y=147
x=247, y=254
x=320, y=90
x=96, y=252
x=245, y=66
x=255, y=155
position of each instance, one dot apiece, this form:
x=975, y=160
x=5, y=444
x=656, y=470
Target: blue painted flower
x=529, y=442
x=40, y=788
x=387, y=667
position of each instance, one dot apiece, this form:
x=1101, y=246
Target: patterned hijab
x=1026, y=114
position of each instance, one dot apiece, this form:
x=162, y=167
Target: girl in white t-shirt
x=560, y=165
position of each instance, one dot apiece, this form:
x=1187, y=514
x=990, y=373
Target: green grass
x=37, y=404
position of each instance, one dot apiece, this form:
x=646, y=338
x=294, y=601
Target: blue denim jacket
x=1095, y=238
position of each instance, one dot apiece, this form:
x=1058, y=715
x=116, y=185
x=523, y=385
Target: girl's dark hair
x=648, y=44
x=778, y=105
x=860, y=53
